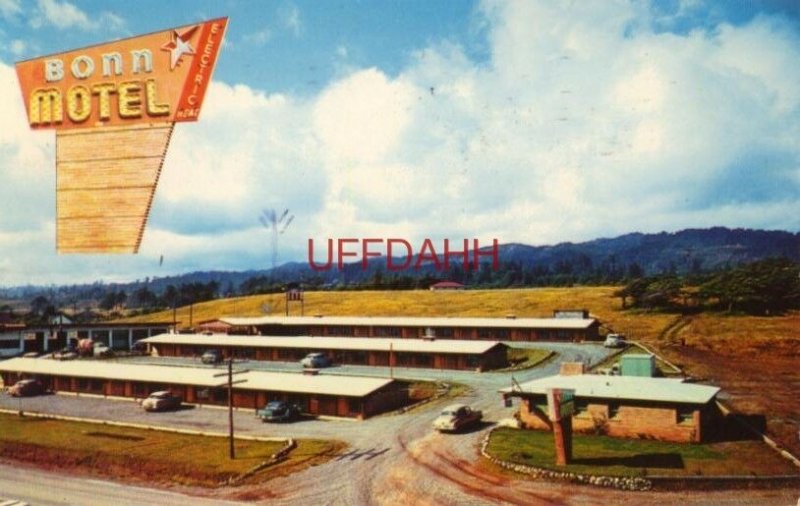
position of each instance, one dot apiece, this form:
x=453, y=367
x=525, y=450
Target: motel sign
x=113, y=107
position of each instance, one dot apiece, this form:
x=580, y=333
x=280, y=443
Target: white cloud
x=62, y=15
x=361, y=118
x=10, y=8
x=17, y=47
x=292, y=20
x=259, y=37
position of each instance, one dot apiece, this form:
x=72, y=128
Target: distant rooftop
x=413, y=321
x=623, y=387
x=329, y=343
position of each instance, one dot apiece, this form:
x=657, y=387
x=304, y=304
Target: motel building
x=330, y=395
x=17, y=339
x=666, y=409
x=575, y=329
x=373, y=351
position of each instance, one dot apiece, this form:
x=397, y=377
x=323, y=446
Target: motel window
x=9, y=345
x=685, y=414
x=248, y=353
x=353, y=406
x=357, y=357
x=140, y=390
x=387, y=331
x=219, y=395
x=613, y=409
x=444, y=332
x=424, y=361
x=340, y=331
x=90, y=385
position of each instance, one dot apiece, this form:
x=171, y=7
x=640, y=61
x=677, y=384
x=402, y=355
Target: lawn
x=525, y=358
x=607, y=456
x=149, y=455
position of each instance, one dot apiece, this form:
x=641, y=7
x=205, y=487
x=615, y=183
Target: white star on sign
x=179, y=46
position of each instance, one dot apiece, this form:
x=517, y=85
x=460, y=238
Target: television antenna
x=277, y=225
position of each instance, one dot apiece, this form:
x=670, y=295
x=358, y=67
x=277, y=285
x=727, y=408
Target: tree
x=763, y=287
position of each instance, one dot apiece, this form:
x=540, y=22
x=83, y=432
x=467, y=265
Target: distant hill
x=606, y=260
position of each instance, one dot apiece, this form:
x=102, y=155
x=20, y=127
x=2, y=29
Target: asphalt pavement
x=379, y=447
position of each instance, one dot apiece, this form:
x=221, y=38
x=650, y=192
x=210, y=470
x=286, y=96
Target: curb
x=766, y=439
x=617, y=482
x=633, y=484
x=141, y=426
x=275, y=458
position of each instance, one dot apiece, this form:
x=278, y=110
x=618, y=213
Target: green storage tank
x=639, y=364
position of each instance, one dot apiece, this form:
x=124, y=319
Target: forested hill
x=600, y=261
x=691, y=250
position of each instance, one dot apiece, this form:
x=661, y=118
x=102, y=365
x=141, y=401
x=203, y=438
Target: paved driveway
x=381, y=450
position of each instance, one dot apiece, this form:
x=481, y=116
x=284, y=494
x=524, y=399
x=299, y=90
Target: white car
x=455, y=417
x=161, y=401
x=316, y=361
x=614, y=341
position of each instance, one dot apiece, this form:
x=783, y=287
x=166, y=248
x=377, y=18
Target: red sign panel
x=154, y=78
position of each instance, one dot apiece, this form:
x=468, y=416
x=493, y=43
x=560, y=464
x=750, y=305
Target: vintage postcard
x=400, y=252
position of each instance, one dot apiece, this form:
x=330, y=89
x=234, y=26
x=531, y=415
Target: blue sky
x=534, y=122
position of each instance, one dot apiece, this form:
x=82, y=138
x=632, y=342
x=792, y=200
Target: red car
x=26, y=388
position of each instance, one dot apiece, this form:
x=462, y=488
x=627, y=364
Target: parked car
x=26, y=388
x=279, y=411
x=455, y=417
x=316, y=361
x=614, y=341
x=211, y=357
x=102, y=350
x=139, y=348
x=161, y=401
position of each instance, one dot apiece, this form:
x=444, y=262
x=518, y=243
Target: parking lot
x=381, y=449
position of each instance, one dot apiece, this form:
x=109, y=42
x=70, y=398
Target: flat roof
x=622, y=387
x=413, y=321
x=326, y=384
x=329, y=343
x=97, y=325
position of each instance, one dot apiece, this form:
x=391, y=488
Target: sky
x=530, y=122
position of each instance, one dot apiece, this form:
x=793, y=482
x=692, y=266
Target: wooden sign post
x=560, y=407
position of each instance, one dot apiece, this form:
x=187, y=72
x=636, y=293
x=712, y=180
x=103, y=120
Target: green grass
x=607, y=456
x=714, y=330
x=151, y=455
x=526, y=358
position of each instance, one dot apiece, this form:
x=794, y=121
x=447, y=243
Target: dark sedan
x=279, y=411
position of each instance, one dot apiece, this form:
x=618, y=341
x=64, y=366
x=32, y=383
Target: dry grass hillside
x=753, y=359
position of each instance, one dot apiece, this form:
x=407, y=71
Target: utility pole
x=230, y=383
x=231, y=448
x=391, y=360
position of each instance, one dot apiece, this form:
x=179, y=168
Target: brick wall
x=640, y=422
